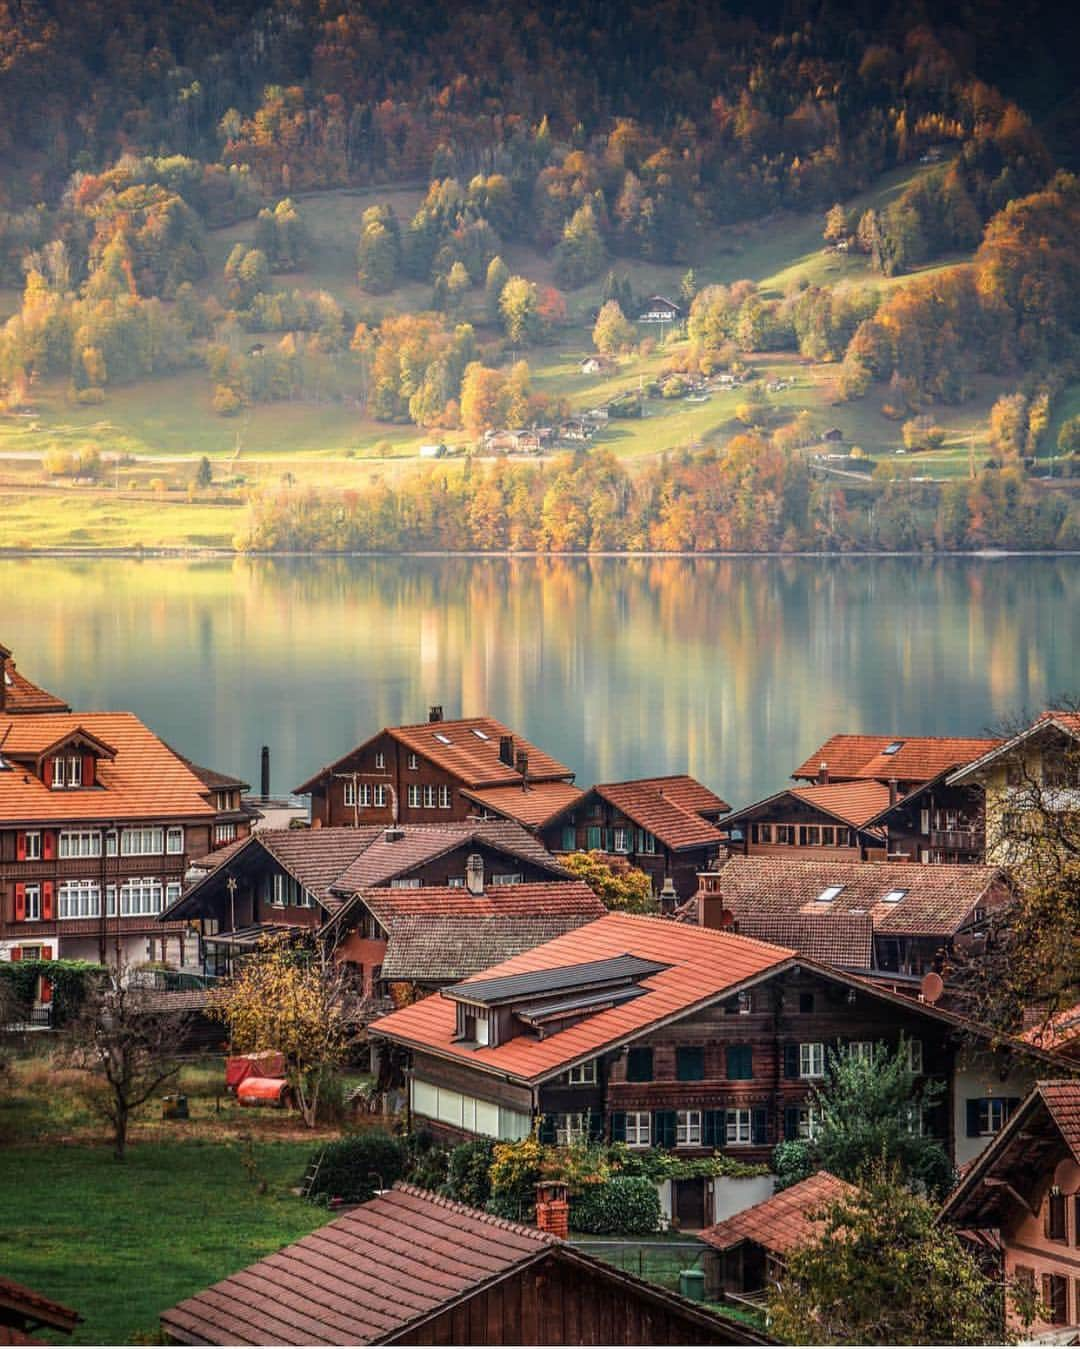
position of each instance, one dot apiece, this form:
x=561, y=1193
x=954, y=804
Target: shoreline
x=218, y=554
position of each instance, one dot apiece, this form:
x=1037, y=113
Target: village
x=595, y=1038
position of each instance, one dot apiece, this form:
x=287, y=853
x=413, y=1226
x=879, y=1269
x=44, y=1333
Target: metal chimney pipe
x=264, y=772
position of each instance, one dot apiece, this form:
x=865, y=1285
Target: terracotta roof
x=472, y=753
x=669, y=807
x=22, y=696
x=209, y=861
x=937, y=898
x=145, y=779
x=850, y=803
x=441, y=935
x=843, y=939
x=783, y=1222
x=703, y=965
x=919, y=758
x=542, y=802
x=1062, y=1100
x=1066, y=722
x=317, y=857
x=1060, y=1030
x=379, y=1274
x=28, y=1308
x=215, y=781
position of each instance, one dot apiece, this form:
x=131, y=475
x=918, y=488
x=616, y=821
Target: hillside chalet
x=654, y=1033
x=664, y=826
x=441, y=771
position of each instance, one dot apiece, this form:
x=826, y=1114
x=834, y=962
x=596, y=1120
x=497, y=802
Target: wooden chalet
x=879, y=918
x=441, y=771
x=99, y=821
x=410, y=1267
x=751, y=1246
x=24, y=1311
x=1020, y=1202
x=908, y=761
x=659, y=309
x=665, y=826
x=827, y=819
x=656, y=1033
x=936, y=823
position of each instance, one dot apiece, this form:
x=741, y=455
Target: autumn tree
x=580, y=253
x=498, y=274
x=297, y=1002
x=378, y=252
x=613, y=331
x=884, y=1270
x=622, y=887
x=519, y=306
x=483, y=399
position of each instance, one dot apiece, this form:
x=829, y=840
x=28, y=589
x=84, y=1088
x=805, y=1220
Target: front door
x=688, y=1204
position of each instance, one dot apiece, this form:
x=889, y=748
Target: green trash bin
x=692, y=1284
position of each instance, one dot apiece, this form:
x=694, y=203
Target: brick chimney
x=521, y=763
x=435, y=712
x=553, y=1208
x=712, y=912
x=474, y=874
x=506, y=750
x=823, y=774
x=894, y=791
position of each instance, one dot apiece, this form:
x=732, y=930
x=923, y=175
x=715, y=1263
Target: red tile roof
x=22, y=696
x=787, y=1220
x=703, y=965
x=767, y=892
x=920, y=757
x=842, y=939
x=851, y=803
x=471, y=754
x=540, y=803
x=24, y=1305
x=1062, y=1100
x=1060, y=1030
x=145, y=779
x=382, y=860
x=669, y=807
x=1067, y=722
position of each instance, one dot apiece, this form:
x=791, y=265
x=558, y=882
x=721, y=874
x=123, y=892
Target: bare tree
x=127, y=1037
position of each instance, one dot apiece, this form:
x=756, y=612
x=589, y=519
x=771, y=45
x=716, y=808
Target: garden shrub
x=624, y=1204
x=468, y=1177
x=68, y=978
x=353, y=1167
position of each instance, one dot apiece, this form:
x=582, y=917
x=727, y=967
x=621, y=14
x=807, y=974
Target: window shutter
x=664, y=1128
x=596, y=1126
x=20, y=846
x=88, y=766
x=712, y=1128
x=20, y=903
x=618, y=1126
x=791, y=1060
x=45, y=995
x=791, y=1122
x=759, y=1126
x=46, y=953
x=973, y=1117
x=547, y=1129
x=46, y=899
x=1012, y=1104
x=16, y=953
x=48, y=844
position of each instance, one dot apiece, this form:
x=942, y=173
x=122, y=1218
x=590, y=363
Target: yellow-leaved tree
x=294, y=1001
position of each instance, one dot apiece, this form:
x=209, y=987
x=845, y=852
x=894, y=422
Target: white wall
x=731, y=1195
x=977, y=1075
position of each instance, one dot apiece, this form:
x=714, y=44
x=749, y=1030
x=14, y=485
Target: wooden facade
x=788, y=826
x=937, y=823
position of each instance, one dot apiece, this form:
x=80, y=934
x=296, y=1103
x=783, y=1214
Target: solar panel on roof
x=505, y=988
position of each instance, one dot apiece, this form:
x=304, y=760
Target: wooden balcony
x=958, y=840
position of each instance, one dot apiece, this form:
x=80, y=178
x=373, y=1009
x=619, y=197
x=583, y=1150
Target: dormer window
x=67, y=771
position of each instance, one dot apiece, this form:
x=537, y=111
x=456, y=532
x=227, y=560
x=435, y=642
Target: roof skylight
x=480, y=735
x=893, y=897
x=828, y=894
x=443, y=739
x=894, y=748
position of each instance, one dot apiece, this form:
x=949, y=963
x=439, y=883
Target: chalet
x=874, y=917
x=1024, y=779
x=99, y=821
x=17, y=694
x=1021, y=1200
x=410, y=1267
x=576, y=429
x=752, y=1246
x=659, y=309
x=598, y=365
x=935, y=823
x=322, y=881
x=441, y=771
x=24, y=1310
x=829, y=819
x=666, y=826
x=908, y=761
x=659, y=1034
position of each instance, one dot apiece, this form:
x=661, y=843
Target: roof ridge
x=467, y=1210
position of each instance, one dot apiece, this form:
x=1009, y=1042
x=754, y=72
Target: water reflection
x=733, y=669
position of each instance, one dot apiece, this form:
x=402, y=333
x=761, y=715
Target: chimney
x=669, y=897
x=393, y=833
x=264, y=772
x=521, y=763
x=474, y=874
x=5, y=656
x=435, y=712
x=894, y=791
x=823, y=774
x=506, y=750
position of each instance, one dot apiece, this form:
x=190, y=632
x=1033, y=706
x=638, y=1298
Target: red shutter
x=20, y=903
x=45, y=995
x=46, y=899
x=20, y=846
x=16, y=953
x=88, y=763
x=48, y=844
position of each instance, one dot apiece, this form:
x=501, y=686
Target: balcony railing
x=958, y=840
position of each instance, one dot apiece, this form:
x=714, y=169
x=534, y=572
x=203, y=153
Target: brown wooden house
x=937, y=822
x=665, y=826
x=441, y=771
x=829, y=819
x=409, y=1267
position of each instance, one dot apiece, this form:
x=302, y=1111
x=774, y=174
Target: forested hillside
x=339, y=230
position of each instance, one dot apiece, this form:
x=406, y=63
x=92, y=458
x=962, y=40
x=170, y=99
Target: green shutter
x=594, y=841
x=973, y=1112
x=639, y=1065
x=664, y=1128
x=595, y=1125
x=618, y=1126
x=740, y=1062
x=569, y=838
x=547, y=1129
x=690, y=1063
x=759, y=1126
x=713, y=1133
x=791, y=1122
x=791, y=1060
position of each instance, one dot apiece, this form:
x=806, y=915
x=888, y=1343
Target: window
x=646, y=842
x=1055, y=1295
x=413, y=796
x=33, y=903
x=173, y=891
x=455, y=882
x=761, y=833
x=1056, y=1221
x=809, y=835
x=914, y=1056
x=861, y=1050
x=224, y=833
x=689, y=1063
x=828, y=894
x=80, y=843
x=150, y=842
x=480, y=735
x=744, y=1003
x=278, y=889
x=477, y=1026
x=809, y=1121
x=894, y=748
x=740, y=1062
x=638, y=1128
x=414, y=761
x=988, y=1116
x=140, y=897
x=350, y=791
x=893, y=897
x=621, y=841
x=174, y=839
x=594, y=838
x=688, y=1129
x=380, y=794
x=363, y=793
x=569, y=838
x=380, y=760
x=445, y=798
x=429, y=797
x=738, y=1129
x=570, y=1128
x=583, y=1075
x=785, y=833
x=78, y=899
x=406, y=883
x=812, y=1060
x=639, y=1066
x=507, y=878
x=443, y=739
x=33, y=847
x=828, y=835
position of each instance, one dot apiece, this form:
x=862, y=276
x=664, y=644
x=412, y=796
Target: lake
x=731, y=669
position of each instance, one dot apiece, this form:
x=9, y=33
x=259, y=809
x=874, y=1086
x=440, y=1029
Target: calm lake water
x=733, y=670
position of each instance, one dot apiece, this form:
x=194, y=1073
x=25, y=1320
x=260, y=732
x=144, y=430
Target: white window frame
x=429, y=796
x=621, y=840
x=809, y=1121
x=688, y=1128
x=915, y=1057
x=379, y=794
x=33, y=903
x=739, y=1127
x=380, y=759
x=73, y=843
x=812, y=1059
x=173, y=891
x=414, y=761
x=84, y=897
x=141, y=897
x=862, y=1050
x=508, y=878
x=144, y=840
x=33, y=845
x=446, y=798
x=413, y=795
x=74, y=770
x=174, y=840
x=224, y=833
x=571, y=1126
x=349, y=793
x=583, y=1074
x=638, y=1129
x=406, y=883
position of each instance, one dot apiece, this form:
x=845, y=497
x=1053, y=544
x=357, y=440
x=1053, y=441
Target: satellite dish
x=1067, y=1176
x=932, y=987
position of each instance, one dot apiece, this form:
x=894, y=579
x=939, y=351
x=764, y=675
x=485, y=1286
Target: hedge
x=68, y=978
x=354, y=1167
x=625, y=1204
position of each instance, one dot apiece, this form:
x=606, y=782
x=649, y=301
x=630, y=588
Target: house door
x=689, y=1204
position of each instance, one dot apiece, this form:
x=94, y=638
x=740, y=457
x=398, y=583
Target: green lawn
x=121, y=1242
